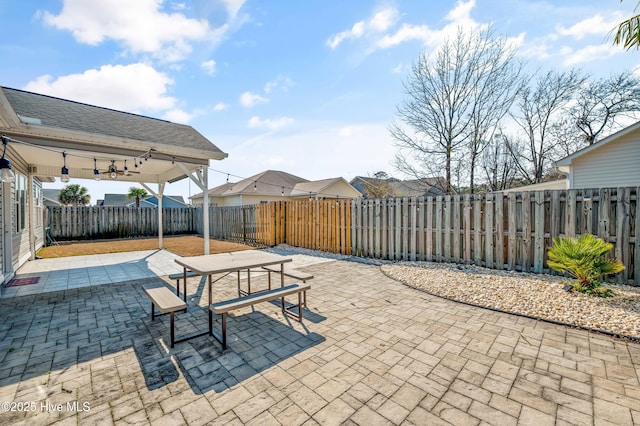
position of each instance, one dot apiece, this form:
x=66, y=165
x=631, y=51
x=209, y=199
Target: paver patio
x=370, y=351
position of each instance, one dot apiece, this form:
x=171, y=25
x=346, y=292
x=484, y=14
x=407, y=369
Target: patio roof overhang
x=45, y=133
x=41, y=149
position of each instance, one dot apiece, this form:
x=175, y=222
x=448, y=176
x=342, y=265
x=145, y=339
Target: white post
x=160, y=227
x=201, y=178
x=158, y=196
x=205, y=208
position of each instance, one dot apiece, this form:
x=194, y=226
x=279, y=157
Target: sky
x=305, y=87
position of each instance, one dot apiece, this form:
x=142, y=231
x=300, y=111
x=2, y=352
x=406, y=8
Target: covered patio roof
x=85, y=132
x=46, y=132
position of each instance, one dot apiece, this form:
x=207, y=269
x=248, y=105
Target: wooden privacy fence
x=498, y=230
x=318, y=225
x=501, y=231
x=76, y=223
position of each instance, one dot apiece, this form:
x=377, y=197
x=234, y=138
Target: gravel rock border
x=539, y=296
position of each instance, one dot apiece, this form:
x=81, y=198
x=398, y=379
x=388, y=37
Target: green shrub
x=585, y=260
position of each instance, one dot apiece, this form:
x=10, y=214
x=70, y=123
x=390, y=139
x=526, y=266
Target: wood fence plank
x=539, y=227
x=421, y=228
x=413, y=218
x=467, y=228
x=622, y=249
x=526, y=231
x=446, y=231
x=438, y=229
x=498, y=202
x=488, y=231
x=570, y=213
x=455, y=241
x=477, y=230
x=429, y=230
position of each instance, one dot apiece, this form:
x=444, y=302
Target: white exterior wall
x=616, y=164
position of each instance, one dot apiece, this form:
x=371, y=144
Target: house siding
x=615, y=165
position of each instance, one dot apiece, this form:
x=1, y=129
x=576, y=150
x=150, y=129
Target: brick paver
x=370, y=351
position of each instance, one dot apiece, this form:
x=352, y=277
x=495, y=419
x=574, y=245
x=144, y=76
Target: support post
x=205, y=208
x=159, y=195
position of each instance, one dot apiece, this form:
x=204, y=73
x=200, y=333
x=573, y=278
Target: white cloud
x=233, y=6
x=399, y=69
x=594, y=25
x=140, y=25
x=281, y=82
x=589, y=53
x=209, y=66
x=248, y=99
x=378, y=29
x=133, y=88
x=379, y=22
x=458, y=17
x=270, y=124
x=220, y=106
x=178, y=116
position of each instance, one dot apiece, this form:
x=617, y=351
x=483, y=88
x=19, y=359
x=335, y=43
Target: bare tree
x=498, y=164
x=498, y=80
x=599, y=103
x=538, y=110
x=454, y=100
x=436, y=114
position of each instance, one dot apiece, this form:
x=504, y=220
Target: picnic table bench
x=227, y=306
x=167, y=303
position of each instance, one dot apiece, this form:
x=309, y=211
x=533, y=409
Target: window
x=20, y=202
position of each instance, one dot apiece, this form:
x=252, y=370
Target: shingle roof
x=269, y=182
x=71, y=115
x=313, y=187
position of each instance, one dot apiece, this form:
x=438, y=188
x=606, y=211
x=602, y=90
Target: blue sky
x=307, y=87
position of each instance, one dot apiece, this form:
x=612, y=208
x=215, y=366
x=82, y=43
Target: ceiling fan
x=112, y=171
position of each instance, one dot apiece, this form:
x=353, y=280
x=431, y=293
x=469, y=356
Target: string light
x=113, y=171
x=96, y=172
x=6, y=174
x=126, y=169
x=64, y=172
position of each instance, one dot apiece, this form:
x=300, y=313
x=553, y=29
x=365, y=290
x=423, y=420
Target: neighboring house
x=610, y=163
x=273, y=185
x=425, y=187
x=51, y=197
x=542, y=186
x=44, y=136
x=121, y=200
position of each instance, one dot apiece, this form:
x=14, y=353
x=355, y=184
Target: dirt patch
x=189, y=245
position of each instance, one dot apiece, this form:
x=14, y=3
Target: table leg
x=209, y=309
x=184, y=280
x=282, y=275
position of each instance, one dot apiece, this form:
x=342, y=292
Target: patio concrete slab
x=370, y=351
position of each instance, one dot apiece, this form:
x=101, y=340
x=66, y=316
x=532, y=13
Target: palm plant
x=585, y=260
x=74, y=195
x=138, y=193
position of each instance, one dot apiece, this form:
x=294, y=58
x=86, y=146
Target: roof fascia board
x=72, y=139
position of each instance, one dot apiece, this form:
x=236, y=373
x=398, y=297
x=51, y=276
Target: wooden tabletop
x=229, y=262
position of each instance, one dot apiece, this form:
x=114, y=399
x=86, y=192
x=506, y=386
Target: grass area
x=188, y=245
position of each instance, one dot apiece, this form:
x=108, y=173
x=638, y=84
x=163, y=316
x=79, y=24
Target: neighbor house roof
x=400, y=188
x=316, y=186
x=269, y=182
x=52, y=196
x=121, y=200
